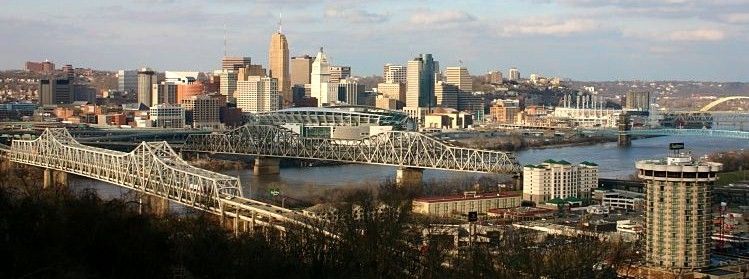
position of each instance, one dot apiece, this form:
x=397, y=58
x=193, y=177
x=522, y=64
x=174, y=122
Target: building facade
x=338, y=73
x=459, y=77
x=228, y=83
x=637, y=100
x=504, y=111
x=127, y=81
x=258, y=94
x=678, y=214
x=205, y=110
x=420, y=79
x=462, y=204
x=394, y=73
x=167, y=116
x=55, y=91
x=164, y=93
x=322, y=89
x=446, y=95
x=235, y=62
x=513, y=74
x=146, y=80
x=278, y=62
x=559, y=180
x=301, y=69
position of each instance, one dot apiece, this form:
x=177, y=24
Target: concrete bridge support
x=266, y=166
x=54, y=178
x=625, y=125
x=155, y=205
x=408, y=176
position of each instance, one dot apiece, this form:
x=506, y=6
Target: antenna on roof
x=225, y=39
x=280, y=18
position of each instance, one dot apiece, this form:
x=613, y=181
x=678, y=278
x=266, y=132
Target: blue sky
x=577, y=39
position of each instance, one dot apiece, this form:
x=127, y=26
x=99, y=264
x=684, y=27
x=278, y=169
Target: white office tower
x=180, y=77
x=325, y=92
x=228, y=83
x=514, y=74
x=258, y=94
x=394, y=73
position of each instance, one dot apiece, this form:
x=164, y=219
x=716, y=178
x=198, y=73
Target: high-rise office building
x=228, y=83
x=146, y=80
x=394, y=73
x=446, y=95
x=494, y=77
x=301, y=69
x=204, y=111
x=322, y=89
x=68, y=71
x=164, y=93
x=678, y=215
x=278, y=61
x=420, y=79
x=234, y=62
x=186, y=91
x=258, y=94
x=513, y=74
x=349, y=90
x=459, y=77
x=45, y=67
x=637, y=100
x=127, y=81
x=167, y=116
x=337, y=73
x=55, y=91
x=559, y=180
x=395, y=91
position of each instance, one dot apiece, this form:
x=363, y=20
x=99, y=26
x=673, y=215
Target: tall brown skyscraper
x=278, y=60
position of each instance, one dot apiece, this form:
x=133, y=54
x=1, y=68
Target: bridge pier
x=53, y=178
x=155, y=205
x=266, y=166
x=625, y=125
x=405, y=176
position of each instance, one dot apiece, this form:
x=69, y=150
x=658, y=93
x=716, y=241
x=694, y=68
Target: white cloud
x=697, y=35
x=736, y=18
x=441, y=17
x=550, y=26
x=355, y=15
x=684, y=35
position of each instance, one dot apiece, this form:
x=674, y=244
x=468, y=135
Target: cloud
x=735, y=18
x=684, y=35
x=697, y=35
x=550, y=26
x=355, y=15
x=440, y=17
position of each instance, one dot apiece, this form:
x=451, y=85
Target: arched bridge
x=719, y=101
x=393, y=148
x=153, y=168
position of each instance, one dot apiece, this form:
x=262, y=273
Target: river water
x=613, y=161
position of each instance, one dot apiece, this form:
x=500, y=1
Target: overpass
x=154, y=169
x=410, y=151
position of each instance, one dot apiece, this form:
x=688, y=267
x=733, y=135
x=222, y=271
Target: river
x=613, y=161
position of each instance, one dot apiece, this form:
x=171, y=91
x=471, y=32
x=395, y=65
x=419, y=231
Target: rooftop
x=467, y=196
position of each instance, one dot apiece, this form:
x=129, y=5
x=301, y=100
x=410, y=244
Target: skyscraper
x=638, y=100
x=322, y=89
x=394, y=73
x=234, y=62
x=127, y=81
x=146, y=79
x=55, y=91
x=278, y=61
x=164, y=93
x=459, y=77
x=679, y=221
x=257, y=94
x=228, y=83
x=420, y=79
x=446, y=95
x=349, y=90
x=301, y=69
x=513, y=74
x=337, y=73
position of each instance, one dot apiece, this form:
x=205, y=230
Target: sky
x=591, y=40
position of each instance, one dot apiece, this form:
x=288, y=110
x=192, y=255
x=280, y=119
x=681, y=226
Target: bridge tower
x=625, y=125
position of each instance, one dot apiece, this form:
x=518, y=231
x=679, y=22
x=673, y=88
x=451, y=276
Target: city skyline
x=576, y=39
